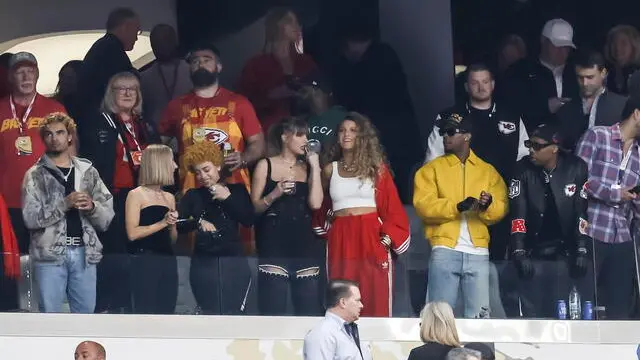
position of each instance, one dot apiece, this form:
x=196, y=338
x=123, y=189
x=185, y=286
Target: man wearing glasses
x=549, y=241
x=458, y=196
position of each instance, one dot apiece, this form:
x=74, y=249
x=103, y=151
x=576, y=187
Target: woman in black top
x=150, y=220
x=220, y=276
x=437, y=331
x=285, y=191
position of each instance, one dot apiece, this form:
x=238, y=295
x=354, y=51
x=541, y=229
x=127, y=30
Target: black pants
x=220, y=285
x=552, y=281
x=296, y=277
x=113, y=290
x=616, y=273
x=154, y=283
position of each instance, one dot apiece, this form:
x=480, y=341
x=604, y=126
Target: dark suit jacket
x=430, y=351
x=573, y=123
x=527, y=86
x=105, y=58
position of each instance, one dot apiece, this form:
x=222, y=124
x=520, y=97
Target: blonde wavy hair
x=634, y=39
x=369, y=157
x=437, y=324
x=58, y=118
x=272, y=25
x=200, y=153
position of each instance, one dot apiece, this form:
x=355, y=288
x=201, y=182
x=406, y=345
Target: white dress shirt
x=329, y=340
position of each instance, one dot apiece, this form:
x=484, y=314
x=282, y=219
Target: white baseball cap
x=559, y=32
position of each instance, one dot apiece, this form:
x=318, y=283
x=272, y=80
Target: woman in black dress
x=220, y=276
x=284, y=191
x=150, y=219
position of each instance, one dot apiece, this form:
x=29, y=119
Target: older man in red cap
x=21, y=113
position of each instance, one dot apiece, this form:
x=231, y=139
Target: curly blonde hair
x=369, y=157
x=200, y=153
x=55, y=118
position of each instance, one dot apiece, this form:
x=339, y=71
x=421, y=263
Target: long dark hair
x=75, y=65
x=289, y=125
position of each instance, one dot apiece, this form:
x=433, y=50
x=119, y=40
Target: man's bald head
x=164, y=42
x=90, y=350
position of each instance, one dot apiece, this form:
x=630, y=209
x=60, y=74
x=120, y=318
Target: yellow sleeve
x=431, y=209
x=500, y=204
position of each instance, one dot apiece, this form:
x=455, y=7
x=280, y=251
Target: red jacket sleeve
x=9, y=249
x=395, y=222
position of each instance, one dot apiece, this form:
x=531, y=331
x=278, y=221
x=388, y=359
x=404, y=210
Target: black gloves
x=467, y=204
x=524, y=265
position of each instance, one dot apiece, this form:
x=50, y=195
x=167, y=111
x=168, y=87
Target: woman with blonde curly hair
x=622, y=52
x=369, y=224
x=437, y=331
x=219, y=275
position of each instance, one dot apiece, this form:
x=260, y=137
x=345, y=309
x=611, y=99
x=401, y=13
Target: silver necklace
x=66, y=177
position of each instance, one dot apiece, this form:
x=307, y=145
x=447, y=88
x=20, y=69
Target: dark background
x=478, y=25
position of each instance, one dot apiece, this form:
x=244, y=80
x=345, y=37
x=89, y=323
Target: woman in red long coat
x=271, y=79
x=363, y=220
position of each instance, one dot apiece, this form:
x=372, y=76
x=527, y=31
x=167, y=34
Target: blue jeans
x=73, y=277
x=451, y=270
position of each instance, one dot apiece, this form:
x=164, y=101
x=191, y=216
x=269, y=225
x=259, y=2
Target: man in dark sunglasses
x=549, y=241
x=458, y=196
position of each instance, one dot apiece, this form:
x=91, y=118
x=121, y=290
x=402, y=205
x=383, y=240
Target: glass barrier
x=160, y=284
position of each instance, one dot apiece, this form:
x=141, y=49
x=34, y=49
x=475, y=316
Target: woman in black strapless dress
x=151, y=227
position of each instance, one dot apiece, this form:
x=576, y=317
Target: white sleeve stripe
x=404, y=247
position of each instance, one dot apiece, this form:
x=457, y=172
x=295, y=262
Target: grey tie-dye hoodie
x=44, y=210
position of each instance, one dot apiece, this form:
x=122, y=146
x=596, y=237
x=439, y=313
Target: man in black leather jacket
x=550, y=248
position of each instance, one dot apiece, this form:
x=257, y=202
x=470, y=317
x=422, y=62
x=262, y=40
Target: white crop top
x=350, y=192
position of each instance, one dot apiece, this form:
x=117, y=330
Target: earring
x=466, y=139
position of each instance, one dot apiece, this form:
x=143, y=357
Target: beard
x=204, y=77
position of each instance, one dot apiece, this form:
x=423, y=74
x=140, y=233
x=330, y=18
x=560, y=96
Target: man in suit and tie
x=337, y=336
x=596, y=105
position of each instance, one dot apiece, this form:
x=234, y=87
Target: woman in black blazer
x=437, y=331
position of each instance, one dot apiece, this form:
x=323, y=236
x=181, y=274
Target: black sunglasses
x=535, y=146
x=449, y=132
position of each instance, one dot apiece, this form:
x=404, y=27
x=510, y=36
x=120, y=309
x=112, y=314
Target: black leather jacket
x=527, y=205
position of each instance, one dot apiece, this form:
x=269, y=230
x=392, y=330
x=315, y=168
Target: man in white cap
x=538, y=88
x=21, y=113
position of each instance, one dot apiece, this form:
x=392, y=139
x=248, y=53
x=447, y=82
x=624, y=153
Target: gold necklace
x=345, y=167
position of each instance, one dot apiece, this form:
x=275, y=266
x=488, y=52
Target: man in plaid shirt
x=611, y=153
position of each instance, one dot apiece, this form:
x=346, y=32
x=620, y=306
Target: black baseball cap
x=200, y=47
x=549, y=133
x=456, y=121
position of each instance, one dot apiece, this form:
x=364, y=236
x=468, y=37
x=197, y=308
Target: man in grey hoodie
x=64, y=203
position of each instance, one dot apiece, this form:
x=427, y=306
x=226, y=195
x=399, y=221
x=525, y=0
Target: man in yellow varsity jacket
x=458, y=195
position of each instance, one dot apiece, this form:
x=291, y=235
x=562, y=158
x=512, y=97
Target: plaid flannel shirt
x=610, y=220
